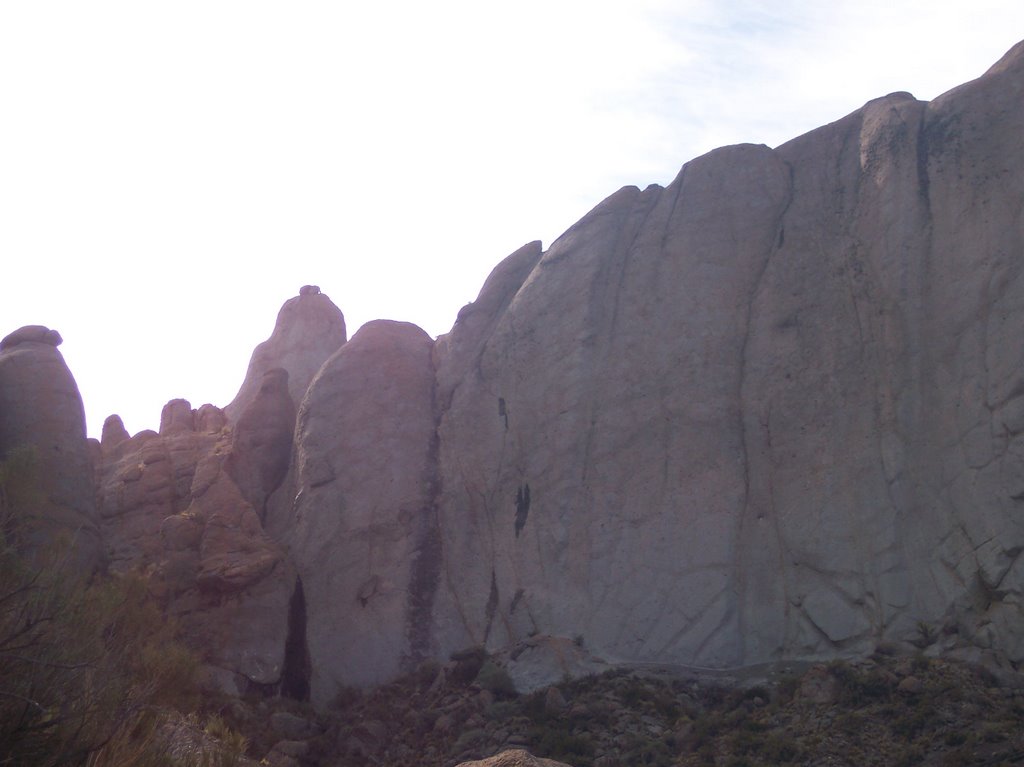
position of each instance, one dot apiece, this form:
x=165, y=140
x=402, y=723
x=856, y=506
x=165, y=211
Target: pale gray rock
x=364, y=534
x=308, y=330
x=42, y=420
x=541, y=661
x=768, y=412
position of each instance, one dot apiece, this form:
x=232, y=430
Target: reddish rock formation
x=170, y=509
x=309, y=329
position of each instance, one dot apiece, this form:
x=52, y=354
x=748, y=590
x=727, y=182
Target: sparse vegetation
x=90, y=670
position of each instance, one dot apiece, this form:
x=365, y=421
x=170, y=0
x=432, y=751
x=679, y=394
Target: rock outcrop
x=261, y=447
x=171, y=509
x=364, y=533
x=308, y=330
x=43, y=421
x=770, y=411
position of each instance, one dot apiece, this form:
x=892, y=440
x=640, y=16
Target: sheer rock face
x=309, y=329
x=170, y=508
x=41, y=412
x=364, y=534
x=772, y=410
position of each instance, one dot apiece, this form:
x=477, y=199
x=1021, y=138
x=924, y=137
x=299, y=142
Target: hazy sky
x=171, y=173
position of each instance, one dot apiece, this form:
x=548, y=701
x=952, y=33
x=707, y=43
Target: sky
x=171, y=173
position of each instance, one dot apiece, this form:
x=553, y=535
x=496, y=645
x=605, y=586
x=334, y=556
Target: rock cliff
x=774, y=410
x=769, y=411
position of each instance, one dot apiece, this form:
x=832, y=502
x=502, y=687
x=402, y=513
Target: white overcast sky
x=171, y=173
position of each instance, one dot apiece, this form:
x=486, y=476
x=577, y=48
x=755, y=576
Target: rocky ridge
x=770, y=412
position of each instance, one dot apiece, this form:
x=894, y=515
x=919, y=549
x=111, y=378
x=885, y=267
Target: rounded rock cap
x=39, y=334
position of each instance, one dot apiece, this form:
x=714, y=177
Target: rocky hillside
x=771, y=412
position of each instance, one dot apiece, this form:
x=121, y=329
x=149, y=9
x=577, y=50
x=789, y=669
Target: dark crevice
x=522, y=507
x=492, y=605
x=297, y=668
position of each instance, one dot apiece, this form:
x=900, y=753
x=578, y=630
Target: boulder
x=514, y=758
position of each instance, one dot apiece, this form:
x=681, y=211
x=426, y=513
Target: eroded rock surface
x=308, y=330
x=172, y=510
x=768, y=411
x=43, y=421
x=364, y=535
x=516, y=757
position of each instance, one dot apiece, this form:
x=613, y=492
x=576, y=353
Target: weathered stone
x=210, y=418
x=262, y=446
x=540, y=661
x=364, y=534
x=176, y=417
x=910, y=685
x=168, y=507
x=514, y=758
x=767, y=412
x=113, y=433
x=309, y=329
x=292, y=727
x=37, y=334
x=293, y=748
x=42, y=424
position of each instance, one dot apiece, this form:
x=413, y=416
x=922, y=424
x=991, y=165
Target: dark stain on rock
x=492, y=605
x=522, y=506
x=296, y=669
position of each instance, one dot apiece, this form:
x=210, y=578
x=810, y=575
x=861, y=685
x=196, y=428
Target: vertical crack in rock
x=425, y=570
x=424, y=578
x=503, y=411
x=744, y=407
x=296, y=670
x=522, y=506
x=607, y=289
x=745, y=438
x=492, y=605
